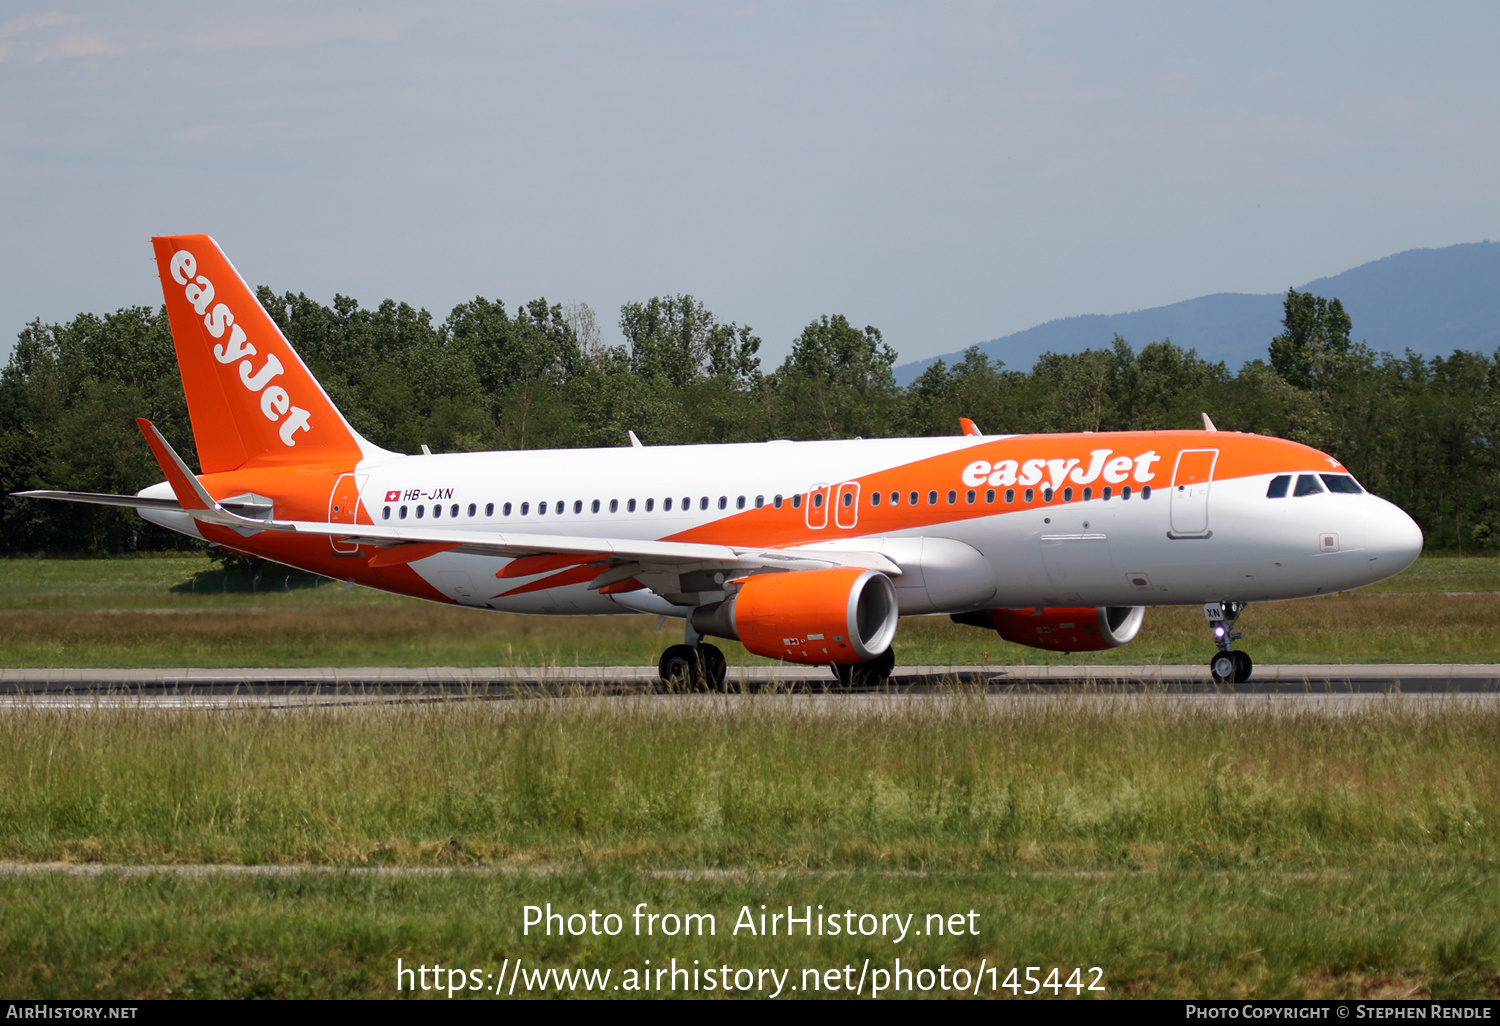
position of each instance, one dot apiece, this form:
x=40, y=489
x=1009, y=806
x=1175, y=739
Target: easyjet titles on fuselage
x=1102, y=464
x=275, y=401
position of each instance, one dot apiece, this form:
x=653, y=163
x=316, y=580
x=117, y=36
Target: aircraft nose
x=1398, y=540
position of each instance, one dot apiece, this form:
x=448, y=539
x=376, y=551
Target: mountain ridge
x=1432, y=301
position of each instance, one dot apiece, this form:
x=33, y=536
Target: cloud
x=28, y=35
x=55, y=35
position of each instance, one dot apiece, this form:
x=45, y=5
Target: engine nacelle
x=817, y=617
x=1073, y=629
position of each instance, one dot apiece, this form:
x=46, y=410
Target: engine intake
x=1068, y=629
x=816, y=617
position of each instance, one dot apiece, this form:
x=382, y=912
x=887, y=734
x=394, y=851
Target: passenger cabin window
x=912, y=499
x=630, y=506
x=1279, y=484
x=489, y=509
x=1341, y=483
x=614, y=505
x=703, y=502
x=760, y=500
x=1307, y=484
x=818, y=500
x=504, y=510
x=385, y=514
x=437, y=511
x=723, y=502
x=776, y=501
x=1046, y=494
x=932, y=498
x=420, y=511
x=1010, y=496
x=1067, y=495
x=952, y=497
x=895, y=498
x=666, y=505
x=989, y=496
x=525, y=508
x=402, y=514
x=797, y=501
x=578, y=506
x=874, y=498
x=472, y=509
x=649, y=504
x=739, y=503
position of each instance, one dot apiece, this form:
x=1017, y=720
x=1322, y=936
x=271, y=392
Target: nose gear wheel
x=1228, y=666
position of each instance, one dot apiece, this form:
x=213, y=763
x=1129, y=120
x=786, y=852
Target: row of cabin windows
x=1308, y=484
x=740, y=502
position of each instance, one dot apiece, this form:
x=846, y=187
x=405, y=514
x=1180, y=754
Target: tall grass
x=957, y=780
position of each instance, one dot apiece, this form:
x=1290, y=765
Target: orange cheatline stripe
x=525, y=566
x=399, y=554
x=577, y=575
x=621, y=587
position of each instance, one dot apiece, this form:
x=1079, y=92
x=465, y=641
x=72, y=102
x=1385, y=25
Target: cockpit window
x=1279, y=485
x=1307, y=484
x=1341, y=483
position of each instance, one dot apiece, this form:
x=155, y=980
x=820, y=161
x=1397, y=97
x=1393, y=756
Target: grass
x=953, y=782
x=1187, y=852
x=172, y=611
x=1395, y=933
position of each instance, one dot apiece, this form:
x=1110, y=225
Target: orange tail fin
x=251, y=398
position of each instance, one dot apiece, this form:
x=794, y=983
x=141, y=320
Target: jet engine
x=1076, y=629
x=817, y=617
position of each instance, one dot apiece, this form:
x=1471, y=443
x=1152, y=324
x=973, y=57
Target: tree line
x=1421, y=432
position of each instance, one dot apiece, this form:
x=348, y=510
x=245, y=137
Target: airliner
x=806, y=552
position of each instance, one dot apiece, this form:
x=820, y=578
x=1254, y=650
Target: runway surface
x=344, y=685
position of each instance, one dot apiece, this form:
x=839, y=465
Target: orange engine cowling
x=842, y=615
x=1075, y=629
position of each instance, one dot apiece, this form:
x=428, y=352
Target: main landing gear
x=700, y=665
x=866, y=674
x=1228, y=666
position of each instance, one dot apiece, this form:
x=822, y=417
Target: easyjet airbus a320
x=807, y=552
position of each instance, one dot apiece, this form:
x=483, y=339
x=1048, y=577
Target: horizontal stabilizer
x=244, y=509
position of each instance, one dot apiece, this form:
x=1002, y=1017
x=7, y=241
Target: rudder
x=251, y=399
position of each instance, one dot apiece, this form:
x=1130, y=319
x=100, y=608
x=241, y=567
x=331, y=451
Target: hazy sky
x=946, y=172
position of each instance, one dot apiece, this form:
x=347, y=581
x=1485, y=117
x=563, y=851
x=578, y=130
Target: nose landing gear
x=1228, y=666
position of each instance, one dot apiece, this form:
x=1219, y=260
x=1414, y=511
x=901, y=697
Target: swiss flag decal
x=392, y=496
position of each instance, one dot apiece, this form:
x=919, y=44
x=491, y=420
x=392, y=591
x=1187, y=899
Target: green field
x=1275, y=851
x=1185, y=849
x=1394, y=933
x=177, y=611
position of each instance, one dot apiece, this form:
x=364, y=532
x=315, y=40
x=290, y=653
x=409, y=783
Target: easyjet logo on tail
x=275, y=402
